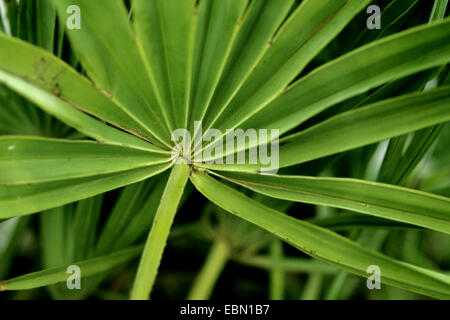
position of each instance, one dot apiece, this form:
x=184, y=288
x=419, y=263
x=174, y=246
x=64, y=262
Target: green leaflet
x=215, y=35
x=377, y=199
x=439, y=8
x=390, y=58
x=45, y=26
x=252, y=42
x=321, y=243
x=55, y=275
x=356, y=72
x=397, y=165
x=26, y=160
x=319, y=21
x=73, y=117
x=290, y=264
x=46, y=72
x=418, y=147
x=373, y=123
x=393, y=17
x=107, y=50
x=352, y=221
x=360, y=127
x=16, y=200
x=165, y=30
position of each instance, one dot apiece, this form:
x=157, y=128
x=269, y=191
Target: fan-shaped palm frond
x=165, y=65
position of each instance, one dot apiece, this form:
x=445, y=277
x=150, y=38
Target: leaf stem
x=277, y=275
x=205, y=281
x=157, y=239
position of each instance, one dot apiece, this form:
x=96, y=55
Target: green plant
x=137, y=71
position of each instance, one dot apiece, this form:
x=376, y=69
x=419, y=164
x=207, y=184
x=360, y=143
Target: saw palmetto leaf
x=93, y=109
